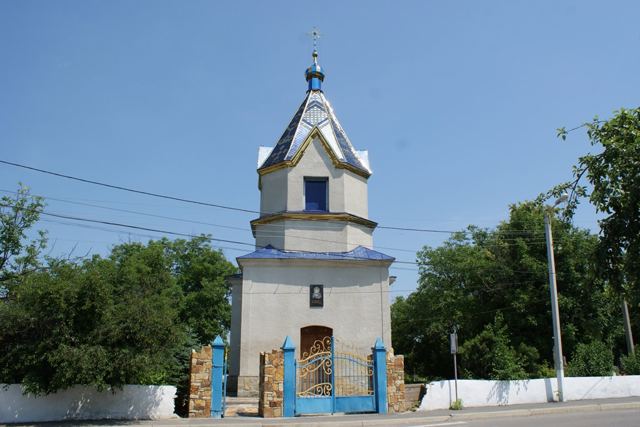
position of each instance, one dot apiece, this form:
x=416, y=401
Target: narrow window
x=315, y=194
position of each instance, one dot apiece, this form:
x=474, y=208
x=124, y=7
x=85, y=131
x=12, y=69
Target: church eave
x=312, y=216
x=315, y=133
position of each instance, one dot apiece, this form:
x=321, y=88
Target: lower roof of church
x=359, y=253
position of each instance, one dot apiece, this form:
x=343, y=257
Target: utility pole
x=555, y=312
x=627, y=327
x=454, y=350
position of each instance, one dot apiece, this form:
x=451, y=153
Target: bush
x=456, y=405
x=631, y=363
x=490, y=355
x=591, y=360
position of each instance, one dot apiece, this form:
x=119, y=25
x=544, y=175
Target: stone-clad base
x=396, y=401
x=200, y=383
x=242, y=386
x=271, y=399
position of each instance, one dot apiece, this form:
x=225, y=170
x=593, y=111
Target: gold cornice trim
x=315, y=132
x=313, y=216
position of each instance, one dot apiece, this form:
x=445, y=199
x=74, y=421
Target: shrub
x=591, y=360
x=631, y=363
x=490, y=354
x=456, y=405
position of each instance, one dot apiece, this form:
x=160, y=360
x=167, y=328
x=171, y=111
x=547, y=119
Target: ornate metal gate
x=329, y=381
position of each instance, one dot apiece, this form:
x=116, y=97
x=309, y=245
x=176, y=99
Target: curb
x=544, y=411
x=405, y=421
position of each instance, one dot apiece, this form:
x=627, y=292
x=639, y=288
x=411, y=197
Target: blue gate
x=328, y=381
x=218, y=378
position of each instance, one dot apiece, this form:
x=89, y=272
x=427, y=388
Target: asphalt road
x=622, y=418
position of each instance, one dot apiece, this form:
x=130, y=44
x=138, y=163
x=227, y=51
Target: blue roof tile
x=360, y=253
x=315, y=112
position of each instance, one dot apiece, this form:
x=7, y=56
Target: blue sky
x=456, y=101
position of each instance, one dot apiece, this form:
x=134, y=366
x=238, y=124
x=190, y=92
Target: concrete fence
x=441, y=394
x=84, y=403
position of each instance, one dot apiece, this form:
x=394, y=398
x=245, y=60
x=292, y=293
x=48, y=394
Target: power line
x=185, y=200
x=265, y=233
x=174, y=233
x=131, y=190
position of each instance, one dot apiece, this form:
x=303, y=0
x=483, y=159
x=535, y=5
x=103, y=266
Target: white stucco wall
x=273, y=193
x=356, y=199
x=283, y=190
x=326, y=236
x=86, y=403
x=275, y=303
x=347, y=190
x=441, y=394
x=315, y=162
x=236, y=326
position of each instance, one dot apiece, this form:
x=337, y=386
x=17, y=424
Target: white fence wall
x=84, y=403
x=440, y=394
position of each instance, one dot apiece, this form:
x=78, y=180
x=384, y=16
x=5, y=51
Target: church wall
x=236, y=318
x=323, y=236
x=273, y=193
x=270, y=234
x=312, y=236
x=355, y=194
x=359, y=235
x=315, y=162
x=276, y=304
x=327, y=236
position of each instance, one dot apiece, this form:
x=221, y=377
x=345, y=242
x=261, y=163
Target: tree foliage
x=491, y=355
x=496, y=282
x=614, y=176
x=104, y=322
x=630, y=363
x=131, y=317
x=18, y=254
x=592, y=359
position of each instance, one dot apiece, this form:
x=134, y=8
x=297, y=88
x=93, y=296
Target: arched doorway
x=311, y=334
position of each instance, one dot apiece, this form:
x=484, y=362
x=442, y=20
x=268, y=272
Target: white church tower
x=314, y=272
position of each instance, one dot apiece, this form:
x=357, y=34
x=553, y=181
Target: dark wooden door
x=311, y=335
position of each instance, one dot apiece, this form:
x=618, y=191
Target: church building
x=313, y=273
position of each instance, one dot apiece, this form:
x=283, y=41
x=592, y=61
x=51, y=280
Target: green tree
x=19, y=254
x=101, y=322
x=594, y=359
x=630, y=363
x=479, y=273
x=491, y=355
x=125, y=319
x=614, y=176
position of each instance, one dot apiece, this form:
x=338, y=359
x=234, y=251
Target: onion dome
x=314, y=74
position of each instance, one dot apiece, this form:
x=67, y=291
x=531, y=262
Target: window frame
x=323, y=179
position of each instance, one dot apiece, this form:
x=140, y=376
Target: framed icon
x=316, y=295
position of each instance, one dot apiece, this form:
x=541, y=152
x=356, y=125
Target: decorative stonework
x=271, y=384
x=395, y=383
x=200, y=383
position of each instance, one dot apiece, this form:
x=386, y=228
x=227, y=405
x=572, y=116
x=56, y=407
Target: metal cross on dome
x=315, y=35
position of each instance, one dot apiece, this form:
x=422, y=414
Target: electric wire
x=198, y=202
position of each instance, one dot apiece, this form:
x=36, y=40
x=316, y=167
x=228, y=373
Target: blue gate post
x=217, y=367
x=289, y=392
x=380, y=373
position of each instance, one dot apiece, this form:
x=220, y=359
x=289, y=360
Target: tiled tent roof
x=360, y=253
x=315, y=111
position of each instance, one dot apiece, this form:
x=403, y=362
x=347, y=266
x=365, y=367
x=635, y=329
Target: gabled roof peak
x=316, y=112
